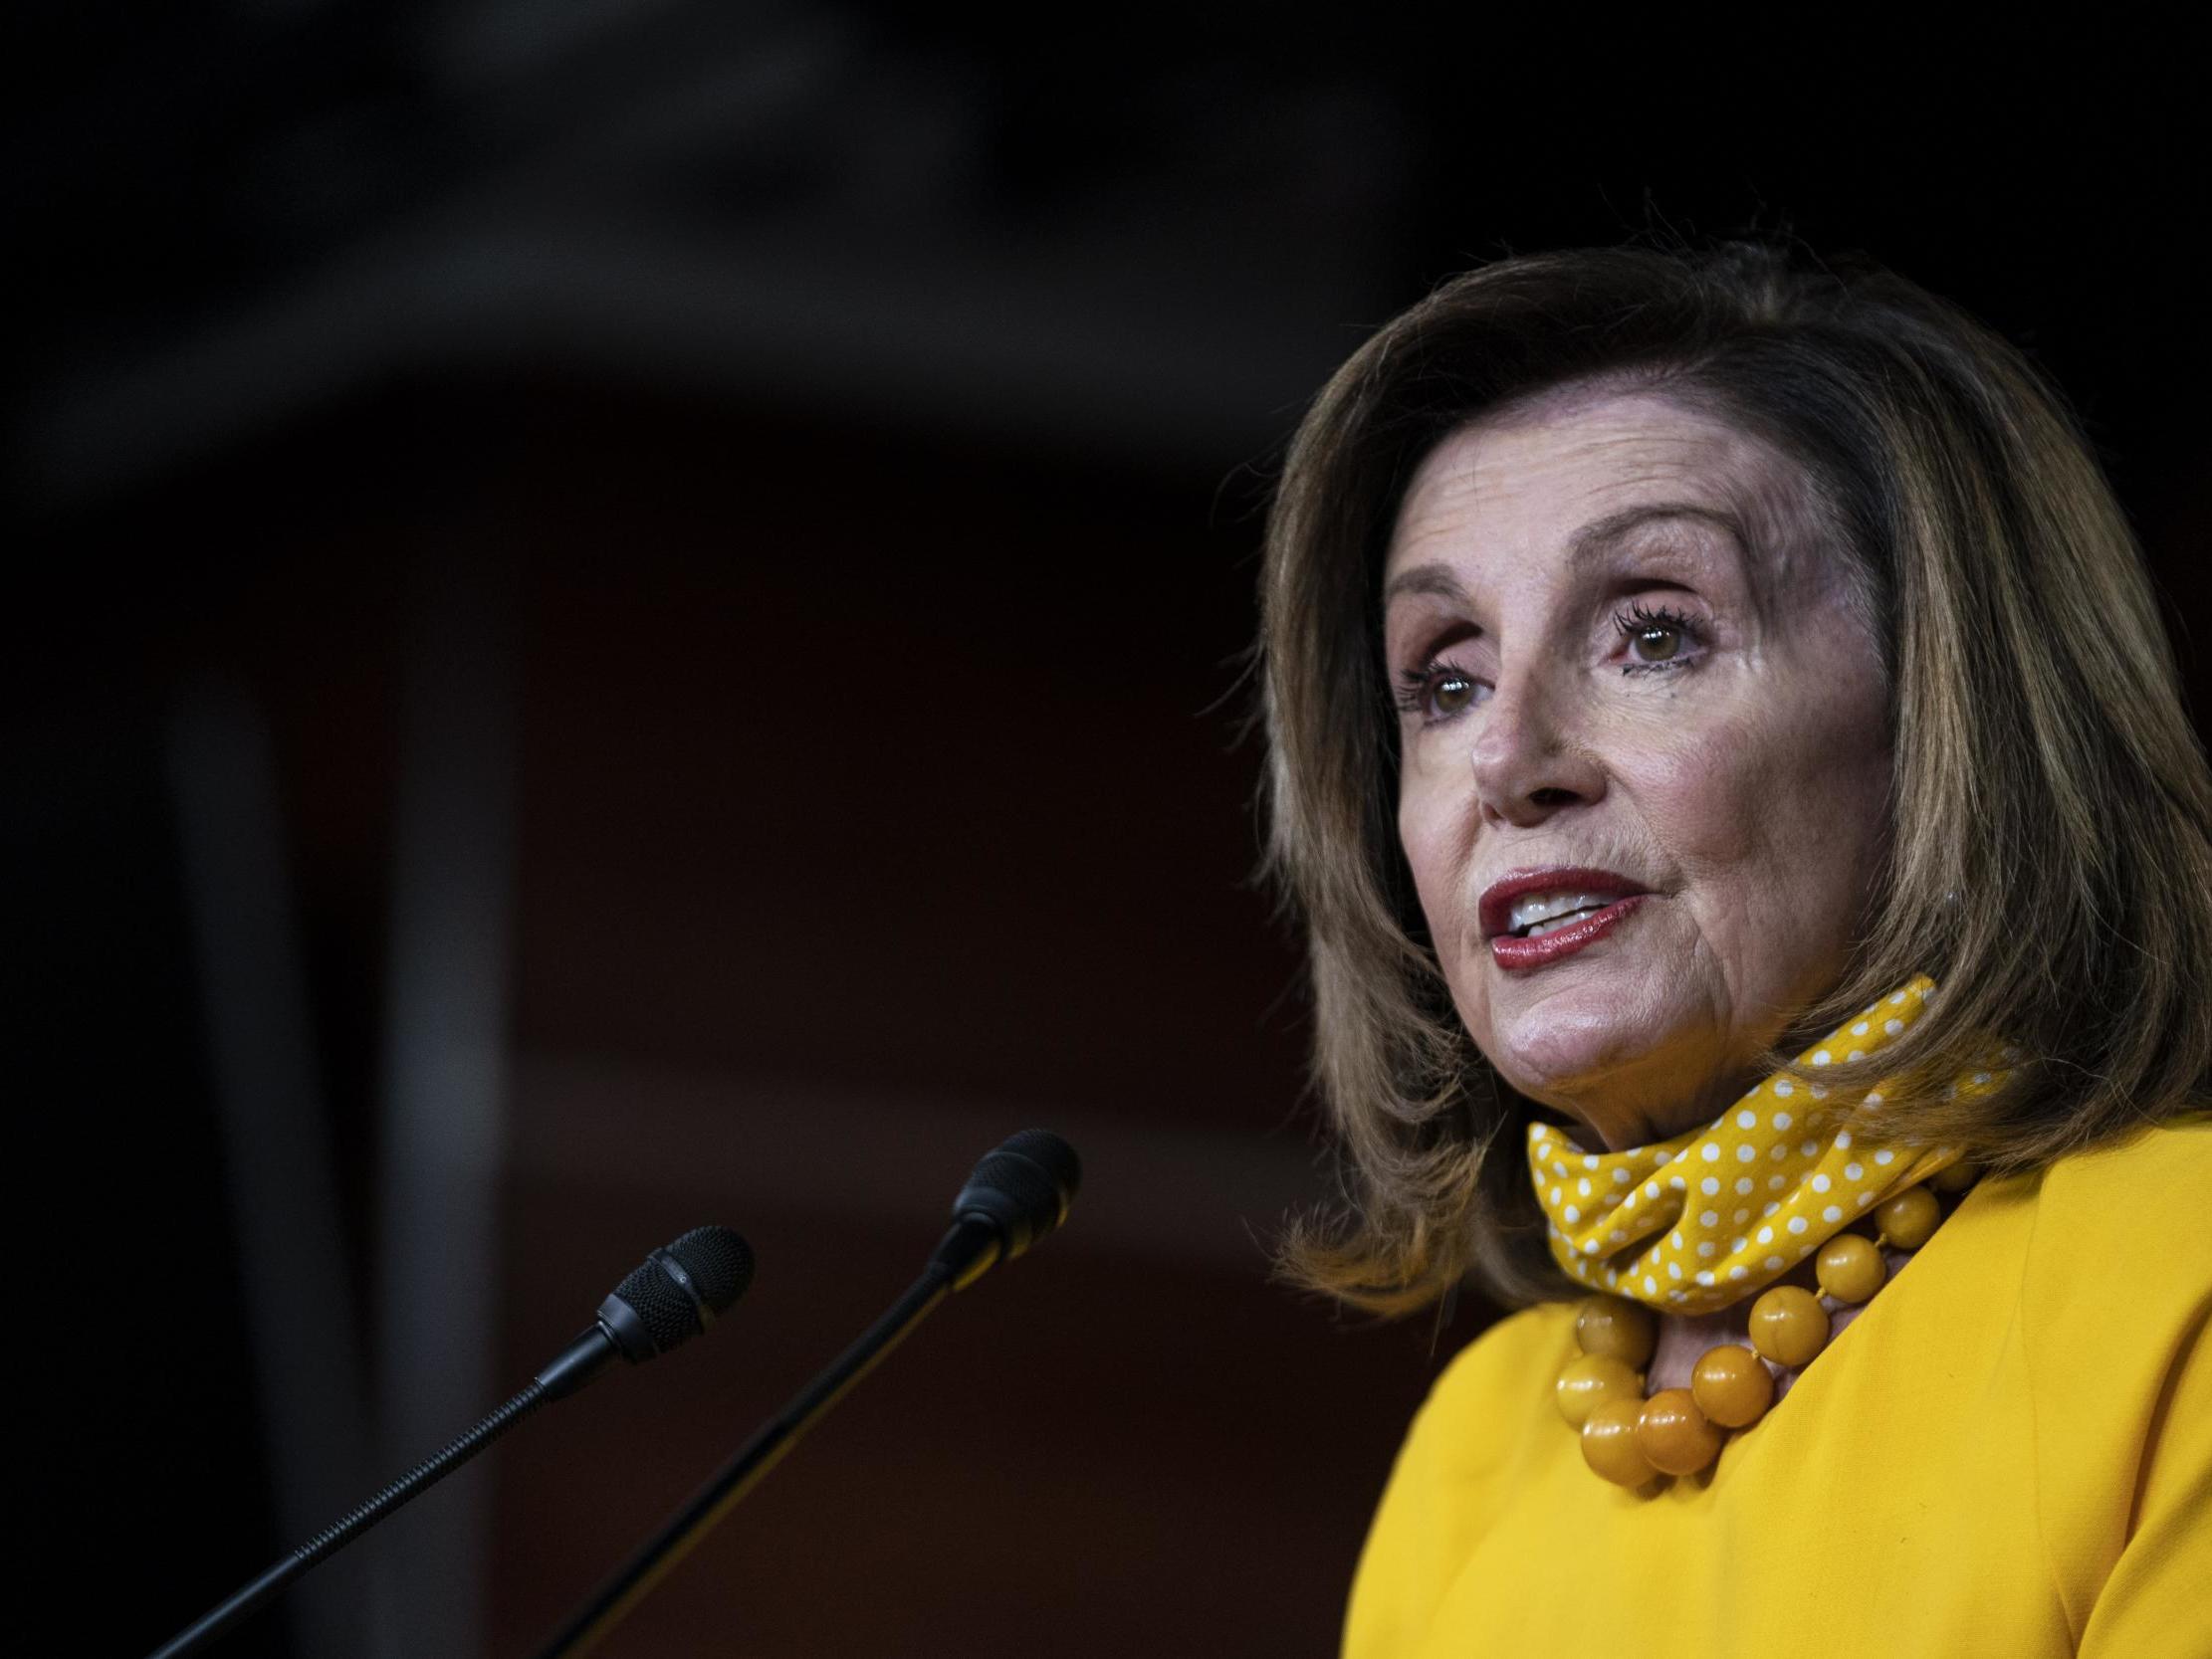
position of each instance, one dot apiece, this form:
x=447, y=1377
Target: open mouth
x=1519, y=912
x=1563, y=927
x=1541, y=913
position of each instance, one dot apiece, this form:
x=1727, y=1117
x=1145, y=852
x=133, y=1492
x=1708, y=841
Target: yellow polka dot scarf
x=1691, y=1224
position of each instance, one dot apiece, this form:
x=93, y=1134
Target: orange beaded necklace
x=1700, y=1221
x=1629, y=1439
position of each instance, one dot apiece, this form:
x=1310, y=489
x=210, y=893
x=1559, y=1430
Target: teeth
x=1531, y=908
x=1543, y=928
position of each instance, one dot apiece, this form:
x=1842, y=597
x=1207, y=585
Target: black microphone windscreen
x=665, y=1308
x=1025, y=1185
x=677, y=1292
x=1048, y=1154
x=719, y=1261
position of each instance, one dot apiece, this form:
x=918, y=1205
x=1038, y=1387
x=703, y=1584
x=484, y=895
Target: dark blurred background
x=629, y=614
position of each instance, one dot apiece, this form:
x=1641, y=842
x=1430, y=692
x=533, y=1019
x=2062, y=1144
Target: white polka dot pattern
x=1636, y=1230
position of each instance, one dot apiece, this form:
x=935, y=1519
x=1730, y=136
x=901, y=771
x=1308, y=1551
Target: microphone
x=661, y=1304
x=1019, y=1192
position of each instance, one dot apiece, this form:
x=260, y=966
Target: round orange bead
x=1789, y=1326
x=1588, y=1381
x=1674, y=1435
x=1907, y=1219
x=1957, y=1179
x=1610, y=1445
x=1849, y=1267
x=1614, y=1326
x=1731, y=1387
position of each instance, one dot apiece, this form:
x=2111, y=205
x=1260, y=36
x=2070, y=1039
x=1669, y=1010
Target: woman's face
x=1631, y=678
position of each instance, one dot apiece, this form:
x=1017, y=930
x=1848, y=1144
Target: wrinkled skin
x=1736, y=765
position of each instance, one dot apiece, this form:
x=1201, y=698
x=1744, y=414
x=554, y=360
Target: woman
x=1757, y=877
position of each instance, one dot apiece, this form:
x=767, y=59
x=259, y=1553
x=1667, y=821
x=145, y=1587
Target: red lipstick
x=1510, y=953
x=1494, y=913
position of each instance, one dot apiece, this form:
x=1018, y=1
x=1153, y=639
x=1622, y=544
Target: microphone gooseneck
x=673, y=1297
x=1019, y=1192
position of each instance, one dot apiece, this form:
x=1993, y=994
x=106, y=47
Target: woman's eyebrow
x=1597, y=536
x=1434, y=578
x=1603, y=534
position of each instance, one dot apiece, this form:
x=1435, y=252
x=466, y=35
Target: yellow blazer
x=2008, y=1453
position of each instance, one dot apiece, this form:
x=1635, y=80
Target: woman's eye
x=1657, y=639
x=1451, y=692
x=1438, y=691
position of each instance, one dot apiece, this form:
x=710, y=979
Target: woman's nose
x=1529, y=755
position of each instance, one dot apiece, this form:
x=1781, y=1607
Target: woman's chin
x=1628, y=1085
x=1561, y=1052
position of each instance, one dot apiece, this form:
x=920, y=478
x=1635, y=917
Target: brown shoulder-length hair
x=2050, y=860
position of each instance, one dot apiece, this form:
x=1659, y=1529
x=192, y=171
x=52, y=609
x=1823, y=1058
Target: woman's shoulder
x=1500, y=1355
x=2153, y=1169
x=1453, y=1471
x=2114, y=1287
x=1490, y=1380
x=2115, y=1259
x=2125, y=1214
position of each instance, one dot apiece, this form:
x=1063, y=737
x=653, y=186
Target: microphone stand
x=671, y=1298
x=970, y=1247
x=584, y=1359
